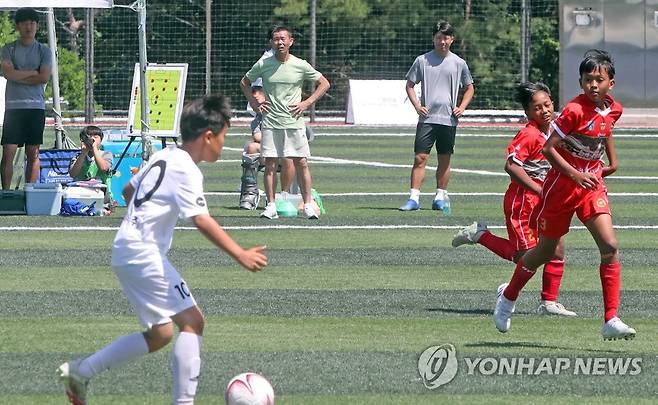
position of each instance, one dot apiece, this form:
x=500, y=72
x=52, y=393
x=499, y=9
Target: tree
x=71, y=79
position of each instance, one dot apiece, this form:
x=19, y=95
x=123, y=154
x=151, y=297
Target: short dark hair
x=211, y=112
x=526, y=91
x=91, y=130
x=597, y=59
x=444, y=28
x=278, y=28
x=26, y=14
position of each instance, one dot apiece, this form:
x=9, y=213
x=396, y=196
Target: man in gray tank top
x=26, y=64
x=441, y=74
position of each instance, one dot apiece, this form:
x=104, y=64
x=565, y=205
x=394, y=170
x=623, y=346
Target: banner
x=380, y=102
x=56, y=3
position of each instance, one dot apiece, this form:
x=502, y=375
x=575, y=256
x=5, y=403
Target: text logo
x=437, y=365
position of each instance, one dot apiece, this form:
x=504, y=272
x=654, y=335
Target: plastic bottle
x=446, y=206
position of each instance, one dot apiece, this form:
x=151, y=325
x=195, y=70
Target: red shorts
x=561, y=198
x=518, y=205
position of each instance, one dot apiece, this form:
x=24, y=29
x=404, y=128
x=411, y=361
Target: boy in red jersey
x=527, y=168
x=580, y=136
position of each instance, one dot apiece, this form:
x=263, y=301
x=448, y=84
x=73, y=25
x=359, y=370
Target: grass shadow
x=534, y=345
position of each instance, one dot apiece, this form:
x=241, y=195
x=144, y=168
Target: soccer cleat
x=310, y=212
x=270, y=211
x=554, y=308
x=503, y=311
x=469, y=235
x=438, y=205
x=410, y=205
x=616, y=329
x=74, y=384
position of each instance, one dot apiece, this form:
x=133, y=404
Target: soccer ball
x=249, y=389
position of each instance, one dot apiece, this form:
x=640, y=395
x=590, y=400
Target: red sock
x=611, y=284
x=501, y=247
x=551, y=278
x=519, y=279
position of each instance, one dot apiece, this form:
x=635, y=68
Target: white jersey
x=169, y=187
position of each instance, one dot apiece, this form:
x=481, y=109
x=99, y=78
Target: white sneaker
x=469, y=235
x=269, y=212
x=309, y=211
x=616, y=329
x=75, y=385
x=504, y=310
x=554, y=308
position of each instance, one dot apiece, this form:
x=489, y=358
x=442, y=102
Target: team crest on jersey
x=200, y=202
x=602, y=126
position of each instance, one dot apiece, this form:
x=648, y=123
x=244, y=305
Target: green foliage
x=7, y=29
x=357, y=39
x=545, y=54
x=384, y=39
x=71, y=79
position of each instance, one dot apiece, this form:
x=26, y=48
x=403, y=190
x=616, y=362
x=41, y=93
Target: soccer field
x=348, y=302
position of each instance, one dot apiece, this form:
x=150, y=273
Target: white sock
x=440, y=194
x=122, y=350
x=414, y=194
x=186, y=366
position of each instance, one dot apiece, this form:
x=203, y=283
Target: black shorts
x=429, y=134
x=23, y=127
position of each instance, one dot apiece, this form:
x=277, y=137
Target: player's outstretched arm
x=252, y=259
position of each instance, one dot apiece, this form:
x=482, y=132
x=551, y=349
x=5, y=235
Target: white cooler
x=43, y=198
x=86, y=195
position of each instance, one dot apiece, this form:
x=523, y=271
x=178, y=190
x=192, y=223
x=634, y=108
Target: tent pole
x=57, y=109
x=147, y=146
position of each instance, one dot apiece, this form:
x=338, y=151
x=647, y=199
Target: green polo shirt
x=282, y=84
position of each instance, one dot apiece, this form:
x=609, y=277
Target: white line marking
x=305, y=227
x=329, y=160
x=412, y=132
x=234, y=193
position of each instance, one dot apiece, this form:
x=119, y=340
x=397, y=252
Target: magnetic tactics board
x=165, y=89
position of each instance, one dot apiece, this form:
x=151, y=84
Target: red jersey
x=584, y=129
x=525, y=150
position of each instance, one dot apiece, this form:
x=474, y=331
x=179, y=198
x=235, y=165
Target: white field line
x=412, y=131
x=235, y=193
x=310, y=227
x=329, y=160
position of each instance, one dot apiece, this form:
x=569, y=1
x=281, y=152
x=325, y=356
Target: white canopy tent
x=139, y=6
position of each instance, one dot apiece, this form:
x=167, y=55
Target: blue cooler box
x=131, y=163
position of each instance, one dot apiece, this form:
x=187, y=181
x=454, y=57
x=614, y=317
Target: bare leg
x=443, y=171
x=304, y=178
x=33, y=164
x=269, y=178
x=418, y=170
x=7, y=165
x=287, y=174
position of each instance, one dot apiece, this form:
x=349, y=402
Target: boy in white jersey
x=169, y=187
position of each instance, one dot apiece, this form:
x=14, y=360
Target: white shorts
x=155, y=289
x=284, y=143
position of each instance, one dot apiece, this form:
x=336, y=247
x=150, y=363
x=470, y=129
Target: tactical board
x=165, y=87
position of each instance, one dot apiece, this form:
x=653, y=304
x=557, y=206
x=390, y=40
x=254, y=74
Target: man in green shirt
x=283, y=133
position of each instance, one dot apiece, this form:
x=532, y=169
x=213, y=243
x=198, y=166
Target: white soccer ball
x=249, y=389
